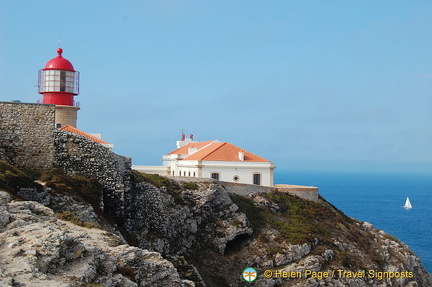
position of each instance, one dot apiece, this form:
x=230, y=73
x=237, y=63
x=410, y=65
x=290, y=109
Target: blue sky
x=309, y=85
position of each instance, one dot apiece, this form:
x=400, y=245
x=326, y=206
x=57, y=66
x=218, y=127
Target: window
x=58, y=81
x=215, y=175
x=257, y=179
x=62, y=81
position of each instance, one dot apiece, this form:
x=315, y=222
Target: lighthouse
x=59, y=84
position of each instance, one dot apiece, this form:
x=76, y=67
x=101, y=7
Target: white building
x=214, y=159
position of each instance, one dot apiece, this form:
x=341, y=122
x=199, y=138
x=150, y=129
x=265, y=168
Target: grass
x=298, y=220
x=190, y=185
x=90, y=190
x=68, y=216
x=254, y=214
x=12, y=178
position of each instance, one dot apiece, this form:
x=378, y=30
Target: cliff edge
x=54, y=232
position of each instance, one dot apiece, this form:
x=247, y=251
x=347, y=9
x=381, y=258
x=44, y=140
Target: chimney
x=241, y=155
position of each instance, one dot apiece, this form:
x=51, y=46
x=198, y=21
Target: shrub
x=13, y=178
x=253, y=213
x=68, y=216
x=89, y=189
x=171, y=186
x=299, y=220
x=190, y=185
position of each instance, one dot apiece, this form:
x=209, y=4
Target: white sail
x=407, y=204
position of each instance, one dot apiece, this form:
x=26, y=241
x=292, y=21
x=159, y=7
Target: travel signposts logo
x=249, y=274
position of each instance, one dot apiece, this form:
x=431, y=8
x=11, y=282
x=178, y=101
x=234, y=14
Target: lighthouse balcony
x=55, y=102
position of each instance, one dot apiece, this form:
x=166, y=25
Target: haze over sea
x=378, y=198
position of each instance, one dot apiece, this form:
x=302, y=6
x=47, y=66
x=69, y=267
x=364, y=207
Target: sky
x=309, y=85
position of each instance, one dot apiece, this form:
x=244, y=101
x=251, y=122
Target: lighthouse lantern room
x=59, y=83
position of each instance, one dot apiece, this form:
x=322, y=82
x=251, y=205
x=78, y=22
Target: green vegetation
x=12, y=178
x=67, y=216
x=299, y=220
x=253, y=213
x=88, y=189
x=171, y=186
x=155, y=179
x=190, y=185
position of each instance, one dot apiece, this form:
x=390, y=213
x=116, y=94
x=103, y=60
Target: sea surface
x=378, y=198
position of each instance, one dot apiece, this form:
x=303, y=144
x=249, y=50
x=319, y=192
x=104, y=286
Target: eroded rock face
x=37, y=249
x=192, y=229
x=171, y=225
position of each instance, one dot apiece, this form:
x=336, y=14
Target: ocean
x=378, y=198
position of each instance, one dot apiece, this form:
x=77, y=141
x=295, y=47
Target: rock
x=168, y=222
x=4, y=197
x=32, y=194
x=368, y=225
x=39, y=250
x=328, y=255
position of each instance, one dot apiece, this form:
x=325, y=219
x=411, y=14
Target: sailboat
x=407, y=204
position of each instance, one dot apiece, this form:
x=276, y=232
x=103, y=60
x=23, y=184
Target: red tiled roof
x=185, y=149
x=217, y=151
x=74, y=130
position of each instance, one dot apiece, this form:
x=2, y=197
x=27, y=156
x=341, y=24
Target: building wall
x=243, y=170
x=26, y=134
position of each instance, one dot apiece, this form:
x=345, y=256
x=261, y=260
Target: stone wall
x=26, y=134
x=28, y=138
x=77, y=155
x=244, y=189
x=305, y=192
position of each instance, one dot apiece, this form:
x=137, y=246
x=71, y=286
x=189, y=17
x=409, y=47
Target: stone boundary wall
x=26, y=134
x=189, y=178
x=232, y=187
x=244, y=189
x=305, y=192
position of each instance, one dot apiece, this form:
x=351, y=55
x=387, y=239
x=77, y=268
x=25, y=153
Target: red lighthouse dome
x=58, y=81
x=59, y=63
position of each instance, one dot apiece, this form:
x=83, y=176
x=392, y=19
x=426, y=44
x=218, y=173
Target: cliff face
x=180, y=217
x=37, y=249
x=187, y=234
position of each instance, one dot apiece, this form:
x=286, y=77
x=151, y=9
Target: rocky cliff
x=173, y=233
